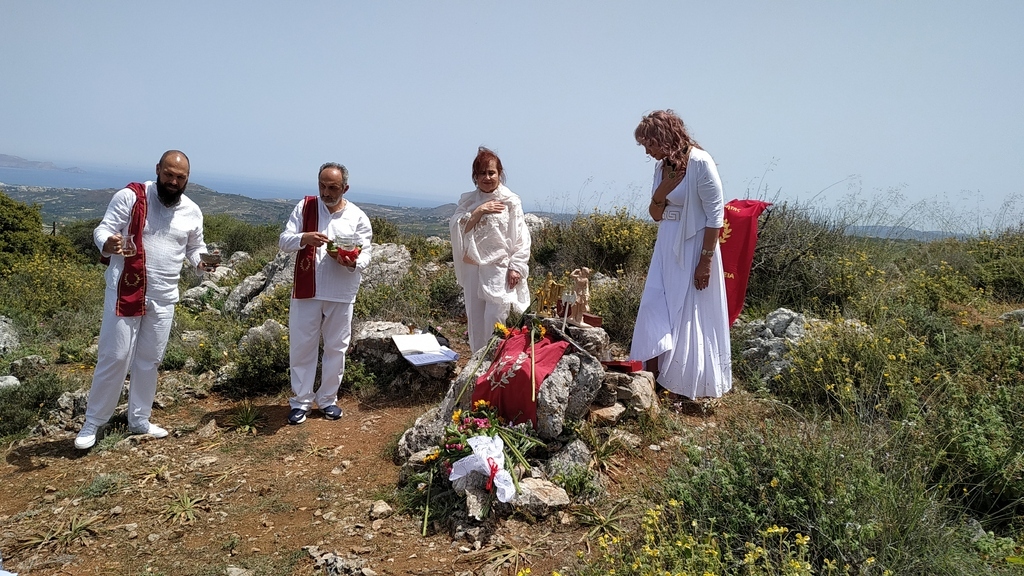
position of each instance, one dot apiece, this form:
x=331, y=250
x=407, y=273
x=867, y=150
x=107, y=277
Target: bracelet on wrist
x=657, y=203
x=705, y=253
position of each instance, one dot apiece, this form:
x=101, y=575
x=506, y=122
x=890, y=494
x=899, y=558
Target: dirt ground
x=258, y=500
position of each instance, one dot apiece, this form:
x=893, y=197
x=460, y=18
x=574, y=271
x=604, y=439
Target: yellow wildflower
x=456, y=415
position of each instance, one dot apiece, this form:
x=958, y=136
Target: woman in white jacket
x=491, y=249
x=682, y=327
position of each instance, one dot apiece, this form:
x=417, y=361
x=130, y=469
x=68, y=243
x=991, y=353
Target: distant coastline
x=47, y=175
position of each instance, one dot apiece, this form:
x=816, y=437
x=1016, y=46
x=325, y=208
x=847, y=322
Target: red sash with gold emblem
x=131, y=286
x=305, y=263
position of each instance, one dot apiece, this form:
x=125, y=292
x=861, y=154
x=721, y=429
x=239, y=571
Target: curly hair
x=483, y=157
x=665, y=129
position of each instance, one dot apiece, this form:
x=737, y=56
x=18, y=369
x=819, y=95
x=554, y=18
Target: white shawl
x=497, y=243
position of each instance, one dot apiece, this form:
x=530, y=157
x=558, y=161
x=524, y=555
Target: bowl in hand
x=210, y=258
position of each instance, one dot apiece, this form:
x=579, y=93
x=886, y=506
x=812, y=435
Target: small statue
x=555, y=291
x=581, y=289
x=547, y=304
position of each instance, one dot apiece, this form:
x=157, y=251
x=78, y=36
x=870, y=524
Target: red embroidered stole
x=506, y=384
x=305, y=263
x=131, y=286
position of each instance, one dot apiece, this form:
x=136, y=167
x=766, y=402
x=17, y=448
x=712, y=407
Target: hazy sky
x=923, y=97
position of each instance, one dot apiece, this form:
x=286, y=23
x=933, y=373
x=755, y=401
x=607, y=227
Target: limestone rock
x=608, y=394
x=539, y=497
x=27, y=367
x=9, y=382
x=573, y=455
x=8, y=336
x=269, y=331
x=197, y=299
x=638, y=393
x=244, y=293
x=607, y=416
x=380, y=509
x=593, y=340
x=237, y=258
x=389, y=263
x=536, y=223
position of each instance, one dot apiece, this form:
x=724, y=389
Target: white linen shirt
x=170, y=236
x=334, y=282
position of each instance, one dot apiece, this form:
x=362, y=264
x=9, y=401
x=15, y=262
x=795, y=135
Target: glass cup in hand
x=128, y=246
x=348, y=246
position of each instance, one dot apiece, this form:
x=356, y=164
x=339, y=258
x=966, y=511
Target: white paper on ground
x=416, y=343
x=445, y=354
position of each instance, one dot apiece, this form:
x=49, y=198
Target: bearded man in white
x=490, y=249
x=332, y=237
x=147, y=232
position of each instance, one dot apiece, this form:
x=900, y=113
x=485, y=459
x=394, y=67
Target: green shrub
x=23, y=405
x=236, y=235
x=21, y=231
x=870, y=508
x=617, y=303
x=605, y=242
x=43, y=286
x=579, y=482
x=261, y=368
x=421, y=250
x=217, y=337
x=444, y=294
x=104, y=485
x=800, y=262
x=79, y=235
x=359, y=379
x=407, y=302
x=847, y=368
x=384, y=231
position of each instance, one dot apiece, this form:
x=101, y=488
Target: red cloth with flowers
x=506, y=385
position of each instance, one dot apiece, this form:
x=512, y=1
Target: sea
x=100, y=177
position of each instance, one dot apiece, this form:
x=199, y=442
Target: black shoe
x=332, y=412
x=297, y=416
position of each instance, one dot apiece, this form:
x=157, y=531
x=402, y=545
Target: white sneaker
x=151, y=429
x=87, y=437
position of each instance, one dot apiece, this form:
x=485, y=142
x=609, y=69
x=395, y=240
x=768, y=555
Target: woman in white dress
x=682, y=327
x=491, y=249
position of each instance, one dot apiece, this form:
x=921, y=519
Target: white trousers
x=134, y=344
x=481, y=315
x=309, y=320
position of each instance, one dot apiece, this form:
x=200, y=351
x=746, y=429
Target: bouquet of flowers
x=483, y=420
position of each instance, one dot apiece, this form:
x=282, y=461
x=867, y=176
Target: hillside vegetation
x=890, y=444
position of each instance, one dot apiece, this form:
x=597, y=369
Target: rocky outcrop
x=8, y=336
x=388, y=265
x=27, y=367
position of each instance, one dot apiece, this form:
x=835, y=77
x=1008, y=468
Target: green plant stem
x=475, y=368
x=426, y=507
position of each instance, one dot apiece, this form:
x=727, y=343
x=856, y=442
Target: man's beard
x=168, y=196
x=331, y=204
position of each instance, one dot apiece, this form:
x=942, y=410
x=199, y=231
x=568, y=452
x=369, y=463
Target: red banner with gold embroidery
x=737, y=240
x=506, y=384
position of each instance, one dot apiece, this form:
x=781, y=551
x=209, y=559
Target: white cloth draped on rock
x=685, y=328
x=483, y=257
